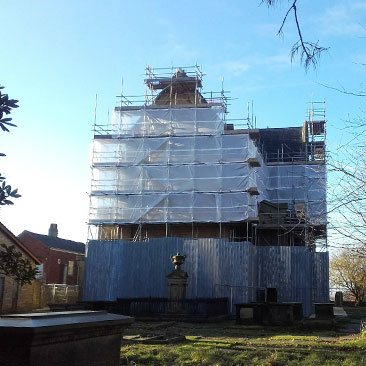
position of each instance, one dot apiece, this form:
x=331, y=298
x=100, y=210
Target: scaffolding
x=296, y=174
x=315, y=132
x=171, y=164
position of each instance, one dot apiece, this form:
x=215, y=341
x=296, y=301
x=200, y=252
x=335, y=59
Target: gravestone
x=271, y=294
x=338, y=298
x=261, y=295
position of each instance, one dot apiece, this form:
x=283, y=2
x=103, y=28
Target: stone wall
x=19, y=299
x=14, y=298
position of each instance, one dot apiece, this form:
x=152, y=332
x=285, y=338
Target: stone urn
x=178, y=260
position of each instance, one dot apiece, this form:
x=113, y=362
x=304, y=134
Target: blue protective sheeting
x=216, y=268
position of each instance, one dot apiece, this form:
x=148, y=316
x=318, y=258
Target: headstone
x=338, y=298
x=268, y=294
x=271, y=294
x=261, y=294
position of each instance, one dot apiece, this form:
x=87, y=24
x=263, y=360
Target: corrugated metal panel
x=290, y=270
x=216, y=268
x=126, y=269
x=322, y=277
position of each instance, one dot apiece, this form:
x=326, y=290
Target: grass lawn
x=226, y=343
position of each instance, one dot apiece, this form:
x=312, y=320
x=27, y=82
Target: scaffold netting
x=180, y=166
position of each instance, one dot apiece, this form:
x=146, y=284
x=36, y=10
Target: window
x=70, y=268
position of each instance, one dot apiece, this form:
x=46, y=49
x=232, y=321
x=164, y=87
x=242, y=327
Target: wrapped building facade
x=175, y=167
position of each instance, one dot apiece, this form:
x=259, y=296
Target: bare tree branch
x=309, y=52
x=344, y=91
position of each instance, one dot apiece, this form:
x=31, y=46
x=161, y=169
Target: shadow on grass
x=223, y=329
x=209, y=353
x=229, y=344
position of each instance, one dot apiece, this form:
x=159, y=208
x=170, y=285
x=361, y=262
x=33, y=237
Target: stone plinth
x=177, y=284
x=324, y=310
x=82, y=338
x=298, y=312
x=249, y=313
x=268, y=313
x=278, y=314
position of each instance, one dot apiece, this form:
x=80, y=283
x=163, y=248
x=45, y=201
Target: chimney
x=52, y=231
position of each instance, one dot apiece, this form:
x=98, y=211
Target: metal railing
x=155, y=306
x=59, y=294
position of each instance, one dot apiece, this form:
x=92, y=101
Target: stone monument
x=177, y=283
x=72, y=338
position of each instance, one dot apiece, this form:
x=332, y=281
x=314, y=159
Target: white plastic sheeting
x=300, y=184
x=169, y=121
x=177, y=165
x=235, y=177
x=172, y=165
x=173, y=150
x=173, y=207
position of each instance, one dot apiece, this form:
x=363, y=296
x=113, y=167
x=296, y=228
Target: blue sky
x=56, y=56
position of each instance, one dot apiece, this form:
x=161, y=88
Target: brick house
x=13, y=297
x=61, y=259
